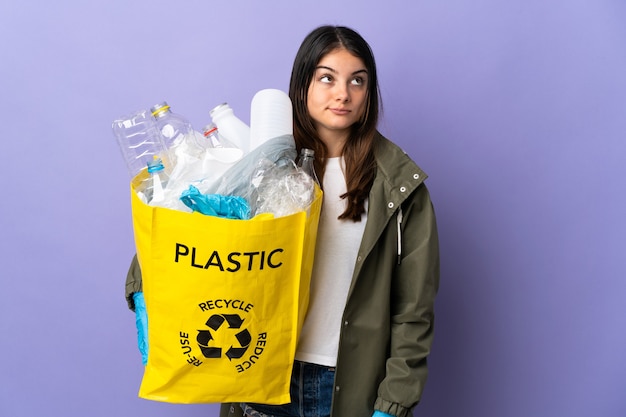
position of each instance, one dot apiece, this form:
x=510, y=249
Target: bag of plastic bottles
x=225, y=301
x=236, y=180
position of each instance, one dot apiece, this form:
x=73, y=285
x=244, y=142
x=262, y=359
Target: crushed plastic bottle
x=139, y=140
x=283, y=190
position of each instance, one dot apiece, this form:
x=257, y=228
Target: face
x=337, y=96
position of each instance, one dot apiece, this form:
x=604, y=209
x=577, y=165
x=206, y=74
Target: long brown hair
x=358, y=151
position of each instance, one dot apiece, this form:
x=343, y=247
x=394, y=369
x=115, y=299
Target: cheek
x=315, y=102
x=313, y=95
x=362, y=105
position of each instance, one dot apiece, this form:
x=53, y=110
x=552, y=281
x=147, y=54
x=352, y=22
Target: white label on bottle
x=168, y=131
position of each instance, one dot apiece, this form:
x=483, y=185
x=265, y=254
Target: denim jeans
x=311, y=394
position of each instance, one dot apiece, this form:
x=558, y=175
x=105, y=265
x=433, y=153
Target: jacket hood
x=400, y=176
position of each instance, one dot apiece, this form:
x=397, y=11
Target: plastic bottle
x=307, y=156
x=156, y=183
x=139, y=140
x=231, y=127
x=214, y=138
x=220, y=154
x=271, y=116
x=173, y=126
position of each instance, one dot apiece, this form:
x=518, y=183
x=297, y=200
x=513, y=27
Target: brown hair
x=358, y=151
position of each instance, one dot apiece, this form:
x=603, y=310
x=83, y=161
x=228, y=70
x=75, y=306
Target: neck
x=334, y=144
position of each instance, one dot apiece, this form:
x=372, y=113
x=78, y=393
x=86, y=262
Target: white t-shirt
x=338, y=244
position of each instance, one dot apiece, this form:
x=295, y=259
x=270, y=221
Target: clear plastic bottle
x=139, y=140
x=231, y=127
x=214, y=138
x=173, y=126
x=307, y=156
x=178, y=135
x=154, y=191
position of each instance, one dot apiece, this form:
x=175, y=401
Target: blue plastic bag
x=230, y=207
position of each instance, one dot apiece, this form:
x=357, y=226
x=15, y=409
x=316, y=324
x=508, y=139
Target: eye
x=357, y=81
x=326, y=78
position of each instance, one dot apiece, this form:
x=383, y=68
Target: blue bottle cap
x=155, y=165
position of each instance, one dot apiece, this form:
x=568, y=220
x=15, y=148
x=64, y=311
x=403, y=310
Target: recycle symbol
x=215, y=322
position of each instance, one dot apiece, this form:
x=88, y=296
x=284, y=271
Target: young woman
x=369, y=328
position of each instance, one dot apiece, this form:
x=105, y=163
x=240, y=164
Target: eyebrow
x=333, y=70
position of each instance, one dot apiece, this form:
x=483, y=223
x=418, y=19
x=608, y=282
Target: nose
x=342, y=93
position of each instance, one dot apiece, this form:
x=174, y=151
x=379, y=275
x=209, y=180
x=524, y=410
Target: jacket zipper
x=399, y=222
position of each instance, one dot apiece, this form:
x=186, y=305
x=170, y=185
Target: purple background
x=516, y=109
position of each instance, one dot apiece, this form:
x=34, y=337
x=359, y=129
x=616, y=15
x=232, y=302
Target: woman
x=369, y=328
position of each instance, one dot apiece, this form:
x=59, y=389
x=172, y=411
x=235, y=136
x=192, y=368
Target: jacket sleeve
x=133, y=282
x=230, y=410
x=414, y=286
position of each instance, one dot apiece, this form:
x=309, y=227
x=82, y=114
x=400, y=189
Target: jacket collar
x=398, y=175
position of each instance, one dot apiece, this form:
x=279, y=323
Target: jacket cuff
x=394, y=409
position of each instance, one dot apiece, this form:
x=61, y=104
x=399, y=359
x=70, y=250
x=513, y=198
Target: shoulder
x=389, y=156
x=395, y=166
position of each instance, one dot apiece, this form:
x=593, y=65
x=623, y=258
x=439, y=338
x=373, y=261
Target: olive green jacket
x=388, y=319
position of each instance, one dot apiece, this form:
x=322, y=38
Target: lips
x=339, y=112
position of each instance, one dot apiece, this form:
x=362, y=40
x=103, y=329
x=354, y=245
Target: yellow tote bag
x=225, y=301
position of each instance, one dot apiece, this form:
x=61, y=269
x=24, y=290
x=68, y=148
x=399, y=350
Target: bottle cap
x=208, y=129
x=159, y=108
x=218, y=109
x=155, y=165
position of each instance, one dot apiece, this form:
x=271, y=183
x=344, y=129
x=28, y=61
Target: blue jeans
x=311, y=394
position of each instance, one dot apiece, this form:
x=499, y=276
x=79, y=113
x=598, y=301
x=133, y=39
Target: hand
x=141, y=320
